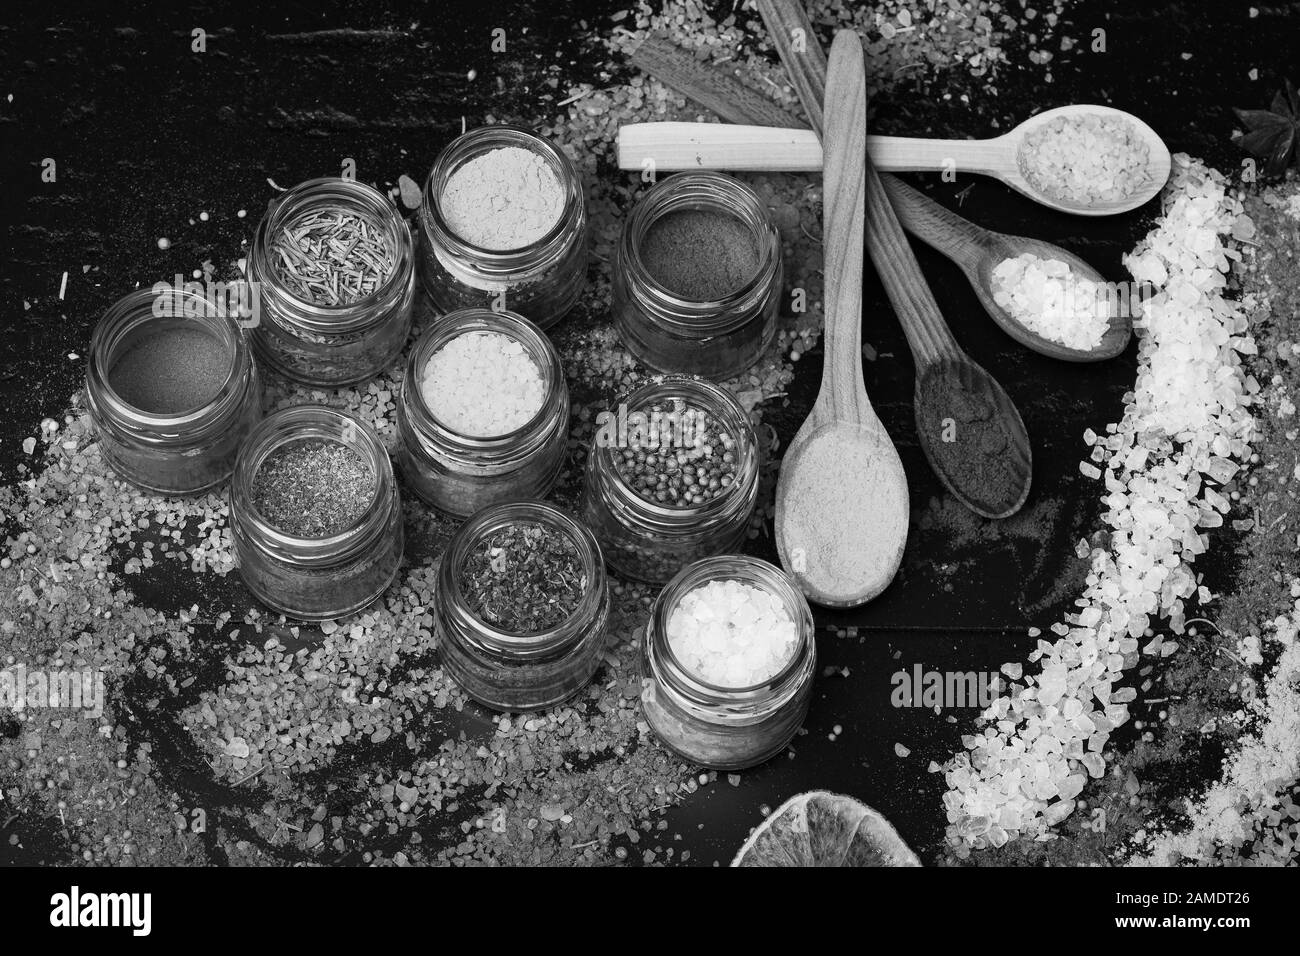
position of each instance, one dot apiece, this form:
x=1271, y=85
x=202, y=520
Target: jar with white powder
x=484, y=412
x=728, y=662
x=503, y=225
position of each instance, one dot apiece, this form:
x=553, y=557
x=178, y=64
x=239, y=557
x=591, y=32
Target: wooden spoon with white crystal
x=673, y=146
x=978, y=252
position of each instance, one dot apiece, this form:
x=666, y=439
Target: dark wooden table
x=146, y=134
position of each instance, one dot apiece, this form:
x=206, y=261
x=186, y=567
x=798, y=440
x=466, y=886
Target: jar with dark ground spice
x=521, y=606
x=659, y=496
x=172, y=390
x=333, y=266
x=715, y=723
x=697, y=276
x=315, y=514
x=503, y=225
x=486, y=423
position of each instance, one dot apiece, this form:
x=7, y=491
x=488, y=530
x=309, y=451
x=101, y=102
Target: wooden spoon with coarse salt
x=841, y=498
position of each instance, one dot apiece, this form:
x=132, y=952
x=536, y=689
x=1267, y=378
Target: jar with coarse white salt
x=728, y=661
x=484, y=412
x=503, y=225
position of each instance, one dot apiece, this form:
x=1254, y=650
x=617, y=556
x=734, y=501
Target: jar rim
x=728, y=567
x=495, y=517
x=358, y=197
x=699, y=189
x=469, y=144
x=136, y=309
x=716, y=400
x=462, y=322
x=299, y=423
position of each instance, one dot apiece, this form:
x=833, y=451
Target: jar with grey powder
x=503, y=226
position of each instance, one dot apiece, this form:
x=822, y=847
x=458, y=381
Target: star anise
x=1272, y=134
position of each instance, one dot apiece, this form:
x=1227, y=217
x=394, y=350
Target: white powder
x=732, y=634
x=1085, y=159
x=1049, y=299
x=506, y=199
x=483, y=384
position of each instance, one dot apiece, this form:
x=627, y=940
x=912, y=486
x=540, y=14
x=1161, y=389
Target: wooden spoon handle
x=669, y=147
x=926, y=331
x=942, y=229
x=843, y=223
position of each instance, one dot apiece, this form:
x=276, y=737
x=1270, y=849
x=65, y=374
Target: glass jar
x=717, y=339
x=171, y=454
x=512, y=671
x=541, y=281
x=726, y=728
x=650, y=541
x=460, y=474
x=316, y=579
x=326, y=345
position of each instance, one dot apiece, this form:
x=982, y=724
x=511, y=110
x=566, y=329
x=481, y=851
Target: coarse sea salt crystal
x=1048, y=298
x=732, y=634
x=483, y=384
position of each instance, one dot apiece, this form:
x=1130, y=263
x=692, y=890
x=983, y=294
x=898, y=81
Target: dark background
x=147, y=134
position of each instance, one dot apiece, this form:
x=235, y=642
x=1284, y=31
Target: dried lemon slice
x=825, y=829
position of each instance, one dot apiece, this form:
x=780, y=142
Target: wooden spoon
x=841, y=498
x=978, y=251
x=956, y=401
x=672, y=146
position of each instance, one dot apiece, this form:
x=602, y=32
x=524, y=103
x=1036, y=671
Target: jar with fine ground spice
x=333, y=266
x=172, y=390
x=728, y=662
x=672, y=476
x=315, y=514
x=484, y=412
x=503, y=225
x=697, y=276
x=521, y=606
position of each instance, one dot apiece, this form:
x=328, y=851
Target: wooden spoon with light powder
x=841, y=500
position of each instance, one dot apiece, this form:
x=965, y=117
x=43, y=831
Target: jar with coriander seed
x=172, y=389
x=697, y=276
x=503, y=225
x=671, y=477
x=521, y=606
x=728, y=662
x=315, y=513
x=483, y=415
x=333, y=266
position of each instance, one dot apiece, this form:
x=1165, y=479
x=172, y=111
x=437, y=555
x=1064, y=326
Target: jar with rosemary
x=172, y=390
x=315, y=514
x=697, y=276
x=333, y=266
x=484, y=412
x=503, y=225
x=728, y=662
x=522, y=605
x=672, y=477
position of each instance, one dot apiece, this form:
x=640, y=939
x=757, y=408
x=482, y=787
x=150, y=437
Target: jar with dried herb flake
x=460, y=473
x=726, y=728
x=172, y=390
x=333, y=267
x=649, y=537
x=315, y=513
x=521, y=607
x=540, y=278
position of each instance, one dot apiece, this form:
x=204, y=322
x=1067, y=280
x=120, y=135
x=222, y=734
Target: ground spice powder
x=171, y=370
x=313, y=488
x=701, y=255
